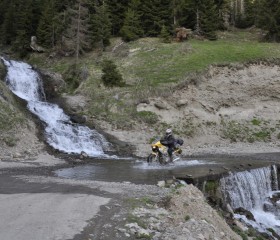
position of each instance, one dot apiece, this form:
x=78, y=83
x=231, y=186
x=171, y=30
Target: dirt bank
x=230, y=109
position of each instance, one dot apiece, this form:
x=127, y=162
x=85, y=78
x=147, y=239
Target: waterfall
x=253, y=191
x=247, y=189
x=60, y=132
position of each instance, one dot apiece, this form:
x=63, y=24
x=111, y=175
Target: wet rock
x=83, y=155
x=275, y=197
x=161, y=183
x=245, y=212
x=78, y=119
x=17, y=155
x=52, y=82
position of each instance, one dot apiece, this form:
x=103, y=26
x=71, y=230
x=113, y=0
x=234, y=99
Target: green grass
x=168, y=64
x=153, y=62
x=149, y=70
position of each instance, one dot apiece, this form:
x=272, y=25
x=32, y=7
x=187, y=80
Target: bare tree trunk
x=242, y=10
x=197, y=25
x=174, y=13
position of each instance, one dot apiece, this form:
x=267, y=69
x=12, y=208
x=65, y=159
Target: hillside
x=220, y=97
x=217, y=102
x=18, y=131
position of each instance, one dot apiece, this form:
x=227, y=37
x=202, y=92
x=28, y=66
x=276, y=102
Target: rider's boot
x=170, y=158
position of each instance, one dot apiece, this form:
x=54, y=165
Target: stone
x=161, y=183
x=181, y=102
x=78, y=119
x=83, y=155
x=160, y=105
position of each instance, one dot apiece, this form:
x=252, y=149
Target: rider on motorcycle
x=169, y=141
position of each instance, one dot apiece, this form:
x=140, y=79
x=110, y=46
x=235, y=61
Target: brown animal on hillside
x=182, y=34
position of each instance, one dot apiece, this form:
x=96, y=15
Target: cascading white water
x=247, y=189
x=61, y=133
x=251, y=190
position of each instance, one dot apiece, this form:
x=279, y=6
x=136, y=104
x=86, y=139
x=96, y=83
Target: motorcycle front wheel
x=152, y=158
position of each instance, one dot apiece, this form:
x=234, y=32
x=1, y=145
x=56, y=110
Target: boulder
x=52, y=82
x=77, y=118
x=74, y=103
x=34, y=46
x=245, y=212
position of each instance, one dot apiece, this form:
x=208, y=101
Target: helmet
x=168, y=132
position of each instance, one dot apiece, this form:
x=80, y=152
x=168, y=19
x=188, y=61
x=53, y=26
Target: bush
x=72, y=78
x=147, y=117
x=111, y=76
x=165, y=35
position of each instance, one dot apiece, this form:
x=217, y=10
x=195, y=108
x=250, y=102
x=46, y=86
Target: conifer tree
x=269, y=19
x=46, y=29
x=8, y=27
x=185, y=13
x=77, y=35
x=111, y=75
x=132, y=29
x=24, y=29
x=117, y=10
x=154, y=14
x=209, y=18
x=101, y=26
x=165, y=35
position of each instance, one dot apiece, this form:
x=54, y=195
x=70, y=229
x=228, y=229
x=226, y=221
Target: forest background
x=78, y=26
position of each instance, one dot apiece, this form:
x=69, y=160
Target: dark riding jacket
x=168, y=141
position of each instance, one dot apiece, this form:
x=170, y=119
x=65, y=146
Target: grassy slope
x=151, y=63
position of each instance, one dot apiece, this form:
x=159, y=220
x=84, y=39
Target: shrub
x=71, y=76
x=147, y=117
x=256, y=122
x=111, y=76
x=165, y=35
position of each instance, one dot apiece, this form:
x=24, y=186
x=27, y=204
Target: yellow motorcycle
x=159, y=153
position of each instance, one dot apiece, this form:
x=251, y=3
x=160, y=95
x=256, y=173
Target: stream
x=245, y=182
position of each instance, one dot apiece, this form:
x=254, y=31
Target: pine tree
x=24, y=29
x=117, y=10
x=77, y=35
x=165, y=35
x=154, y=14
x=101, y=26
x=46, y=29
x=209, y=18
x=132, y=29
x=186, y=13
x=269, y=19
x=8, y=27
x=111, y=76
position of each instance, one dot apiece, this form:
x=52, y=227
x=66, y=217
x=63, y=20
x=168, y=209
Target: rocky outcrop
x=34, y=46
x=53, y=83
x=186, y=214
x=2, y=71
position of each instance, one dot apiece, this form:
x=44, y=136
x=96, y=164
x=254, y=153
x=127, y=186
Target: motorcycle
x=159, y=153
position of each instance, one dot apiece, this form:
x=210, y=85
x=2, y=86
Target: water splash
x=60, y=132
x=181, y=163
